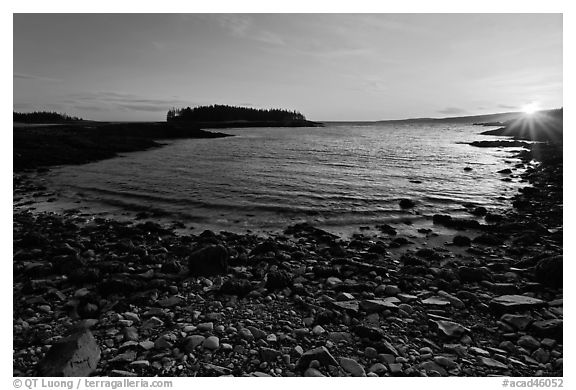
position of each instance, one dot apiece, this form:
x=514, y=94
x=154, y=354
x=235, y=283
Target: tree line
x=218, y=113
x=43, y=117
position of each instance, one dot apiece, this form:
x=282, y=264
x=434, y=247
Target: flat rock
x=379, y=305
x=74, y=355
x=436, y=301
x=515, y=303
x=491, y=363
x=348, y=306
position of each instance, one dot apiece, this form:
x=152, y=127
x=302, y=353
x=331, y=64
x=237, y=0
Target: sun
x=531, y=108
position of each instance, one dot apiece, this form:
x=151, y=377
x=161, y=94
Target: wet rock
x=75, y=355
x=461, y=241
x=387, y=229
x=321, y=354
x=406, y=203
x=479, y=211
x=488, y=239
x=351, y=366
x=210, y=260
x=515, y=303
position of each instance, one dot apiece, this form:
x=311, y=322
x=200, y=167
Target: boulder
x=278, y=280
x=210, y=260
x=74, y=355
x=549, y=271
x=406, y=203
x=461, y=241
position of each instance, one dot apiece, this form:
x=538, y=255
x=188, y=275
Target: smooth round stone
x=211, y=342
x=352, y=366
x=271, y=338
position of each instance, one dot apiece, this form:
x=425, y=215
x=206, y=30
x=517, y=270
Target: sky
x=330, y=67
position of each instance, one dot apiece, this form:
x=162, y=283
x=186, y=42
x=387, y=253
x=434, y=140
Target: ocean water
x=264, y=179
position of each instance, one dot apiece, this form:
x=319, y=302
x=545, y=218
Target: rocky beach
x=101, y=297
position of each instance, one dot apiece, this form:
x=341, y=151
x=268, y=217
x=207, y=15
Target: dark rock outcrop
x=210, y=260
x=75, y=355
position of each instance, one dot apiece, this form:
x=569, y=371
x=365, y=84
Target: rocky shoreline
x=100, y=297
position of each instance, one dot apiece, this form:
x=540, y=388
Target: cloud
x=112, y=100
x=243, y=26
x=453, y=111
x=23, y=76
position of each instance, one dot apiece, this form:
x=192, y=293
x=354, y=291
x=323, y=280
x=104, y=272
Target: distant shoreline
x=70, y=143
